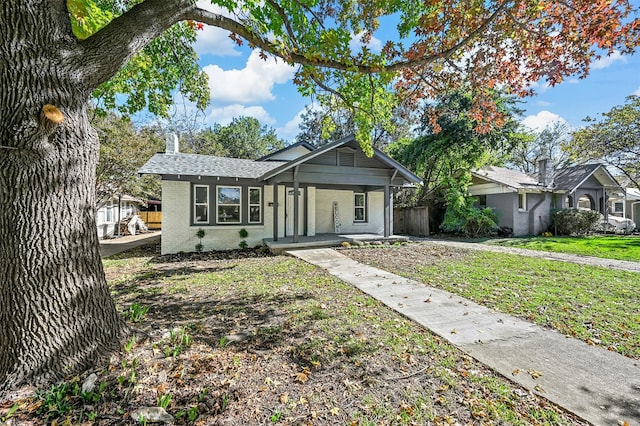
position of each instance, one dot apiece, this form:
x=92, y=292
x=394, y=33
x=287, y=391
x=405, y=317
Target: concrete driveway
x=109, y=247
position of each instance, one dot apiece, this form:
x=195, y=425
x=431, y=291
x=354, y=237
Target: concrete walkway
x=112, y=246
x=600, y=386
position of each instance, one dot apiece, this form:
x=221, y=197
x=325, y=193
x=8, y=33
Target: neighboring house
x=524, y=202
x=297, y=191
x=114, y=210
x=630, y=206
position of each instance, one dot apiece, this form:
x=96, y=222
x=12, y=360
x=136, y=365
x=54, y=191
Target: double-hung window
x=229, y=203
x=522, y=201
x=618, y=207
x=359, y=207
x=255, y=205
x=201, y=204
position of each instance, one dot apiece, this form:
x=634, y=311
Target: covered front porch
x=327, y=240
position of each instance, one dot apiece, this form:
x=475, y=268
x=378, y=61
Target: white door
x=289, y=211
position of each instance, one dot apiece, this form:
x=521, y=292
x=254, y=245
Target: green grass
x=302, y=318
x=316, y=351
x=608, y=247
x=595, y=304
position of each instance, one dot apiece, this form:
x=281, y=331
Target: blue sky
x=242, y=84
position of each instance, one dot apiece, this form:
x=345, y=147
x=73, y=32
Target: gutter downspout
x=532, y=216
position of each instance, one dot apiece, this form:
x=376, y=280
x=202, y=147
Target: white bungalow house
x=296, y=192
x=524, y=202
x=113, y=210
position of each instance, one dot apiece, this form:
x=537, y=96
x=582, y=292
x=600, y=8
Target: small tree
x=200, y=234
x=243, y=234
x=614, y=139
x=462, y=217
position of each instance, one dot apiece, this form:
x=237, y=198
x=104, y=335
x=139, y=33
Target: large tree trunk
x=57, y=316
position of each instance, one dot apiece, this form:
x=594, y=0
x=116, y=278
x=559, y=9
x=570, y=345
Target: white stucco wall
x=175, y=218
x=179, y=235
x=324, y=212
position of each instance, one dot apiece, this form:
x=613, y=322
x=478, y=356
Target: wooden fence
x=411, y=221
x=152, y=219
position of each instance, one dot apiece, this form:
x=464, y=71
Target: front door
x=289, y=212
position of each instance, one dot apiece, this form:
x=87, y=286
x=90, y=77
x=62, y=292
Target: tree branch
x=107, y=51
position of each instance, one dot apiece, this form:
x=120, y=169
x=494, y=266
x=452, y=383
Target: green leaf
x=87, y=18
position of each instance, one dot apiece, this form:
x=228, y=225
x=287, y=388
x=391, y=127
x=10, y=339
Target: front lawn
x=273, y=340
x=597, y=305
x=609, y=247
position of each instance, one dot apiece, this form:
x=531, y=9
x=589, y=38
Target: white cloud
x=636, y=92
x=541, y=120
x=291, y=128
x=215, y=41
x=224, y=115
x=607, y=61
x=540, y=87
x=356, y=43
x=249, y=85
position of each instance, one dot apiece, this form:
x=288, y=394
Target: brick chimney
x=545, y=172
x=171, y=141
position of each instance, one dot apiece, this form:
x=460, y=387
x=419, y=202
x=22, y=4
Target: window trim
x=195, y=204
x=239, y=222
x=249, y=205
x=522, y=196
x=615, y=206
x=109, y=215
x=363, y=207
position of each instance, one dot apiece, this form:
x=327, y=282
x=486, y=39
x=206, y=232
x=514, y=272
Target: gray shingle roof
x=206, y=165
x=508, y=177
x=566, y=179
x=570, y=177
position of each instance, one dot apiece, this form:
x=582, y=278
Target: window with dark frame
x=229, y=203
x=359, y=207
x=255, y=205
x=522, y=201
x=200, y=204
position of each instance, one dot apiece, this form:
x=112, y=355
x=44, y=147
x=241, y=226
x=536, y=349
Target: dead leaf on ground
x=302, y=377
x=534, y=373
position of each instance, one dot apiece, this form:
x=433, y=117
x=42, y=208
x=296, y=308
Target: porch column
x=275, y=211
x=296, y=210
x=387, y=211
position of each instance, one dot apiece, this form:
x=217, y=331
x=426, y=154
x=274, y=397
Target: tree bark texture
x=57, y=316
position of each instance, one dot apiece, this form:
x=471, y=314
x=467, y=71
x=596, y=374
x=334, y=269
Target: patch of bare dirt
x=406, y=257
